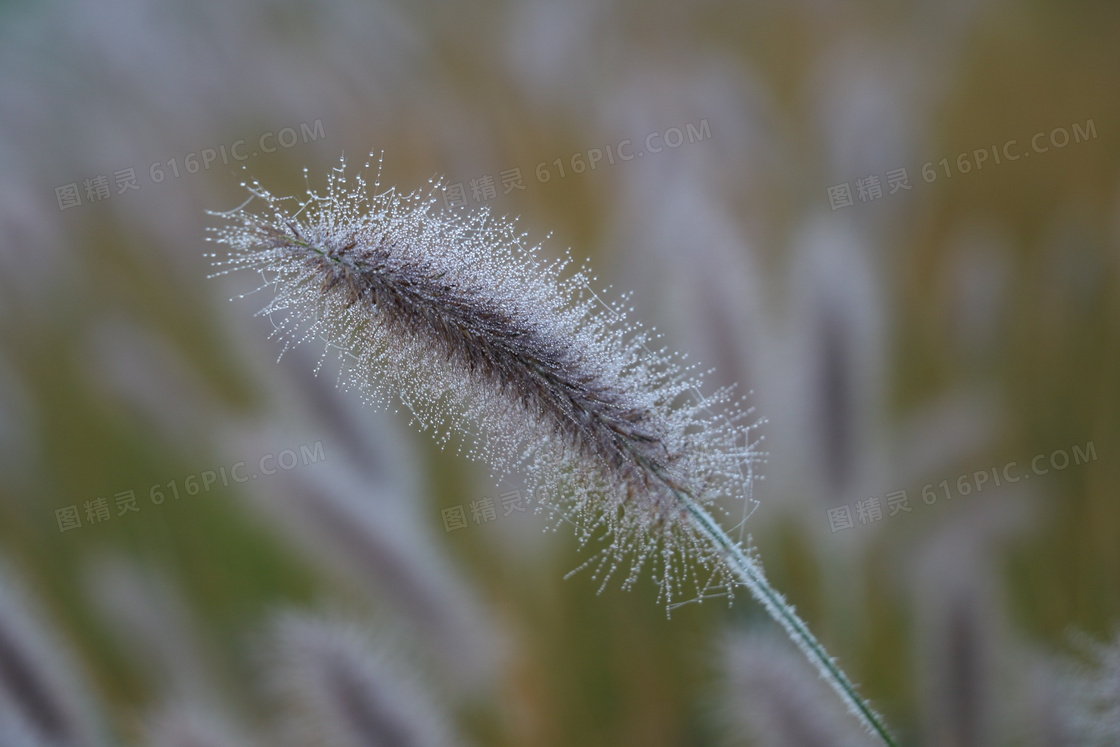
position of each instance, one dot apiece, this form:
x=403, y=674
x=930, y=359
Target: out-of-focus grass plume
x=921, y=339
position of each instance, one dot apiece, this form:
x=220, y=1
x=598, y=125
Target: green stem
x=753, y=578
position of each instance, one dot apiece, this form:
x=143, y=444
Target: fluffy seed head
x=509, y=356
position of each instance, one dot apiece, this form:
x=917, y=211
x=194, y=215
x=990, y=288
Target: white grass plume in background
x=336, y=687
x=191, y=725
x=43, y=695
x=345, y=525
x=522, y=364
x=769, y=694
x=152, y=624
x=1091, y=685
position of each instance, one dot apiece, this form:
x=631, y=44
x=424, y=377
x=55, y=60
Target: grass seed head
x=504, y=355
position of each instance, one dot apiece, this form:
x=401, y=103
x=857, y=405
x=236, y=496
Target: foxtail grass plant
x=517, y=362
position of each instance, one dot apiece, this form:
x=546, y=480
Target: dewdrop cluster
x=506, y=356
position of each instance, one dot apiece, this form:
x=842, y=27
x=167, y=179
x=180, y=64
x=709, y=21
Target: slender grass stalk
x=750, y=573
x=517, y=361
x=767, y=692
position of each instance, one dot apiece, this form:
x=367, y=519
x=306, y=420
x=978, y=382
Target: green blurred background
x=967, y=322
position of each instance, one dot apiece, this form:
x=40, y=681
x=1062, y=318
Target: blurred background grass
x=958, y=326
